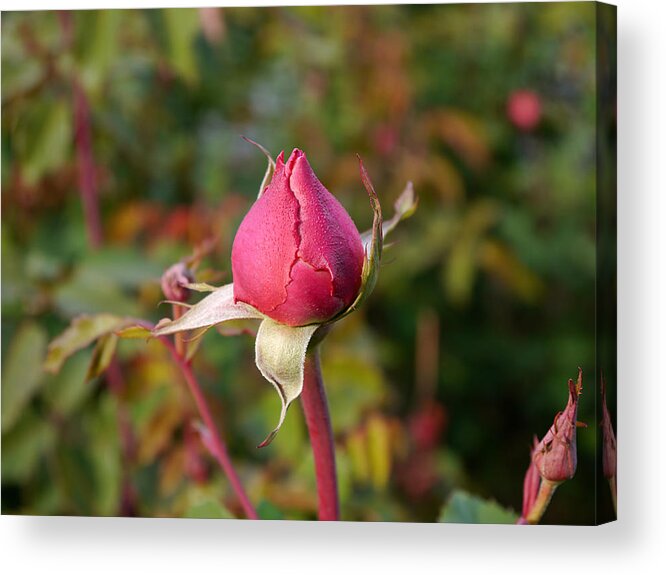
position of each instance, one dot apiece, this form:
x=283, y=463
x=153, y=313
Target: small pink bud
x=297, y=256
x=174, y=282
x=609, y=453
x=524, y=109
x=555, y=455
x=531, y=482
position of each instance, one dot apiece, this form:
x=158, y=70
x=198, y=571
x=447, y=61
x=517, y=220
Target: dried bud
x=297, y=256
x=555, y=455
x=609, y=453
x=174, y=282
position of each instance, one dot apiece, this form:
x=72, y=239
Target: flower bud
x=555, y=455
x=174, y=282
x=297, y=256
x=531, y=482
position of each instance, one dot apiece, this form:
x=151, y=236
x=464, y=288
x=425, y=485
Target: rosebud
x=524, y=109
x=297, y=256
x=175, y=281
x=298, y=262
x=531, y=482
x=555, y=455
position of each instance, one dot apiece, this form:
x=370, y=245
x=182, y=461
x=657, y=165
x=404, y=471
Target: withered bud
x=174, y=282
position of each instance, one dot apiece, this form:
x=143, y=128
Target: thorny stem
x=315, y=406
x=546, y=491
x=214, y=440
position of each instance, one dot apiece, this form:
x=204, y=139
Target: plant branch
x=315, y=406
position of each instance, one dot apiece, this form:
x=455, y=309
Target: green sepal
x=269, y=169
x=215, y=308
x=280, y=357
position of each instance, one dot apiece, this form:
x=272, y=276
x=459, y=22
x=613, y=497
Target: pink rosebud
x=297, y=256
x=555, y=456
x=524, y=109
x=531, y=482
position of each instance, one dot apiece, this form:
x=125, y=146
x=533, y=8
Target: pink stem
x=315, y=406
x=218, y=447
x=214, y=440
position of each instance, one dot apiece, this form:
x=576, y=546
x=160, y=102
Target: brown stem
x=315, y=406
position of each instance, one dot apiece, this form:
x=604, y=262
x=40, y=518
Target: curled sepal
x=404, y=207
x=215, y=308
x=280, y=356
x=269, y=169
x=372, y=247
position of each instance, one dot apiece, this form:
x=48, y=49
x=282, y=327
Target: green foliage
x=83, y=331
x=22, y=374
x=501, y=252
x=465, y=508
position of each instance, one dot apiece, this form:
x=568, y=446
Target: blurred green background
x=484, y=308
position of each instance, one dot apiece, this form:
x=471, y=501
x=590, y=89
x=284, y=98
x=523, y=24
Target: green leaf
x=215, y=308
x=22, y=447
x=84, y=293
x=101, y=427
x=22, y=374
x=97, y=44
x=182, y=27
x=280, y=357
x=201, y=287
x=43, y=138
x=134, y=332
x=463, y=507
x=208, y=510
x=102, y=356
x=82, y=332
x=66, y=391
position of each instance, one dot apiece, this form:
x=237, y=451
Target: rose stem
x=219, y=448
x=315, y=406
x=612, y=482
x=546, y=491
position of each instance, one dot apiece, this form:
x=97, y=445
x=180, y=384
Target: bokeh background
x=485, y=304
